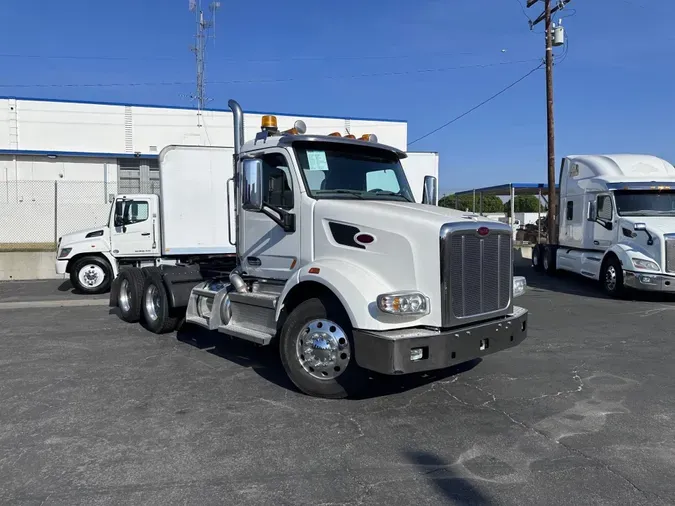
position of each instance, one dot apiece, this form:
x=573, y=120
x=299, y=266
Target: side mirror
x=430, y=193
x=592, y=212
x=119, y=214
x=251, y=191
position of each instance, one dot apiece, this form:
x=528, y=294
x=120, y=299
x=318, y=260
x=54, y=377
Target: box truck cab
x=615, y=222
x=338, y=267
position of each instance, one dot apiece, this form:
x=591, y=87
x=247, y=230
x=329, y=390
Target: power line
x=245, y=60
x=267, y=81
x=478, y=105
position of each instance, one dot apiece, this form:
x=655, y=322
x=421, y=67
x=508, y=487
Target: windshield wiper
x=388, y=192
x=356, y=193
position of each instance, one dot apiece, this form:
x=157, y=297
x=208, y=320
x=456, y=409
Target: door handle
x=145, y=233
x=596, y=243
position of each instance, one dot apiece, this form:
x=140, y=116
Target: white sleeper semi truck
x=336, y=265
x=615, y=222
x=149, y=230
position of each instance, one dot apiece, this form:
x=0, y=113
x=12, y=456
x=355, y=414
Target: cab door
x=134, y=227
x=605, y=226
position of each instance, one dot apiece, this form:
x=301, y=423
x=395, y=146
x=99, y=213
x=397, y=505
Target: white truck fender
x=622, y=250
x=94, y=246
x=355, y=287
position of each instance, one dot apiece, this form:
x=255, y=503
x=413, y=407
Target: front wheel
x=317, y=350
x=611, y=277
x=91, y=275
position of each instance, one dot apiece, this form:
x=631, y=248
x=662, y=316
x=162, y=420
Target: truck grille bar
x=476, y=272
x=670, y=253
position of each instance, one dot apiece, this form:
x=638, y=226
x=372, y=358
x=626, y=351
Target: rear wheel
x=536, y=257
x=130, y=294
x=158, y=317
x=317, y=350
x=548, y=259
x=91, y=275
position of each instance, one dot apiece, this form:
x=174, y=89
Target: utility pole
x=199, y=49
x=548, y=30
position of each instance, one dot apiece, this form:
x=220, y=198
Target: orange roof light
x=368, y=137
x=269, y=121
x=350, y=136
x=335, y=134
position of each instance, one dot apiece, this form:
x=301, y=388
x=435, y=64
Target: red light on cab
x=364, y=238
x=483, y=231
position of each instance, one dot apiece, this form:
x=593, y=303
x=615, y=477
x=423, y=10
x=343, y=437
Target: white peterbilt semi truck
x=179, y=227
x=337, y=265
x=615, y=222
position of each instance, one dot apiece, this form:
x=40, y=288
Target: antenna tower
x=199, y=49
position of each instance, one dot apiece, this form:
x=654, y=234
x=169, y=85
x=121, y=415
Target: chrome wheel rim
x=152, y=302
x=323, y=349
x=535, y=258
x=610, y=278
x=124, y=298
x=91, y=276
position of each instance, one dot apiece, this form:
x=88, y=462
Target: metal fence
x=34, y=214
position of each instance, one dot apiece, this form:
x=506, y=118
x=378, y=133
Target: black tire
x=349, y=379
x=130, y=294
x=156, y=314
x=536, y=257
x=94, y=268
x=611, y=277
x=548, y=260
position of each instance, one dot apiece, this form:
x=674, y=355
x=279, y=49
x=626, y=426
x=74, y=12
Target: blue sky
x=614, y=90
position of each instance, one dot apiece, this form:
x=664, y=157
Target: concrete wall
x=27, y=265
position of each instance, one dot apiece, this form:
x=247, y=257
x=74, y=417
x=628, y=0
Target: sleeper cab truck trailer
x=338, y=266
x=136, y=232
x=615, y=223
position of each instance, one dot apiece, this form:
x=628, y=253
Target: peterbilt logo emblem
x=483, y=231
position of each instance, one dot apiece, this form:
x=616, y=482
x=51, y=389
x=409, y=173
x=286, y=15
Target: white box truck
x=187, y=224
x=615, y=222
x=337, y=266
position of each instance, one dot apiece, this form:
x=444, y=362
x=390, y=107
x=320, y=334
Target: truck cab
x=91, y=256
x=616, y=222
x=339, y=268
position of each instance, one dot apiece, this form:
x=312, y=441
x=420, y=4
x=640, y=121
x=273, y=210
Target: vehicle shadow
x=575, y=284
x=265, y=361
x=439, y=473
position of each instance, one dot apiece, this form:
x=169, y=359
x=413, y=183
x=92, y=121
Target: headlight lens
x=645, y=264
x=408, y=303
x=65, y=252
x=519, y=285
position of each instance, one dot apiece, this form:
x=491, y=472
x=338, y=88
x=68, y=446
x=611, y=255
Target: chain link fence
x=34, y=214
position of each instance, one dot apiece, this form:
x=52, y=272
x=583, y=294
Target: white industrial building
x=61, y=161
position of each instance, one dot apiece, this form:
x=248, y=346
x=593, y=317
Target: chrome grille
x=476, y=273
x=670, y=255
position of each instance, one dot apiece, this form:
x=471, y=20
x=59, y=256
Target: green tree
x=491, y=203
x=524, y=204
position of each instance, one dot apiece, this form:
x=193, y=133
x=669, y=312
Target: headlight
x=519, y=285
x=645, y=264
x=409, y=303
x=65, y=252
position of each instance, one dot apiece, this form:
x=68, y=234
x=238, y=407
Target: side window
x=382, y=180
x=570, y=210
x=604, y=207
x=277, y=184
x=136, y=211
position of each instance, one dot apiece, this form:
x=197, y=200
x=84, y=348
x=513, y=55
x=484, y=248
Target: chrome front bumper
x=649, y=282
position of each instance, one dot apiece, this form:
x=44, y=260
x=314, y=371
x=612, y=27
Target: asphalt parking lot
x=96, y=411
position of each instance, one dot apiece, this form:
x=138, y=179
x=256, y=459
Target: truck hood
x=81, y=236
x=659, y=225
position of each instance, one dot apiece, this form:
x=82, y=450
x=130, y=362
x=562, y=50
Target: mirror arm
x=276, y=219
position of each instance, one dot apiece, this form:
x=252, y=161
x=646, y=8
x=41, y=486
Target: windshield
x=645, y=202
x=339, y=171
